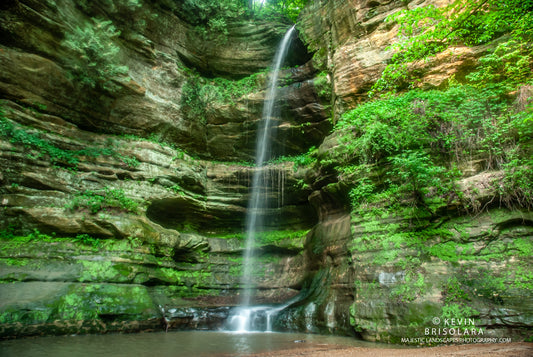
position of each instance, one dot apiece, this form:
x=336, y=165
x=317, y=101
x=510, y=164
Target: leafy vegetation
x=275, y=9
x=429, y=30
x=412, y=287
x=302, y=160
x=212, y=17
x=42, y=146
x=422, y=137
x=97, y=57
x=269, y=237
x=201, y=96
x=106, y=199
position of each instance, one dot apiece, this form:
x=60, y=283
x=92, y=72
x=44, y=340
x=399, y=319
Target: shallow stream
x=160, y=344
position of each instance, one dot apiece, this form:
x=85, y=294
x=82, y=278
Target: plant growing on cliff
x=276, y=9
x=419, y=139
x=43, y=145
x=416, y=174
x=428, y=30
x=108, y=198
x=97, y=57
x=200, y=97
x=211, y=17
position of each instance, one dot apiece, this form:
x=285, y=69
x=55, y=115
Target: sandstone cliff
x=118, y=198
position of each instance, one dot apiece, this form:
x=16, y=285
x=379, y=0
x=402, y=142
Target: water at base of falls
x=258, y=318
x=250, y=319
x=173, y=343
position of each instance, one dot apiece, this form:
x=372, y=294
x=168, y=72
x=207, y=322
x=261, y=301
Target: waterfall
x=242, y=321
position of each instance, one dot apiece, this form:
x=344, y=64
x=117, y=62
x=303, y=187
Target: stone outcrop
x=352, y=39
x=176, y=238
x=159, y=54
x=384, y=278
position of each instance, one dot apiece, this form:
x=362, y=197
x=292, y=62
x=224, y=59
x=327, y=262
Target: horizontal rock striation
x=122, y=196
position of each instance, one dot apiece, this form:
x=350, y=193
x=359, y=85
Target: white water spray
x=243, y=320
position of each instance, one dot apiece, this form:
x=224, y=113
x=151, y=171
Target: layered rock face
x=352, y=40
x=386, y=277
x=121, y=197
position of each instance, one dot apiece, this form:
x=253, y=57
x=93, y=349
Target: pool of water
x=186, y=343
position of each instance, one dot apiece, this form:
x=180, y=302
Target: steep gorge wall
x=388, y=276
x=351, y=41
x=114, y=201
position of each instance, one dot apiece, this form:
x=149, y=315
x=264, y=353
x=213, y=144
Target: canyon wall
x=121, y=197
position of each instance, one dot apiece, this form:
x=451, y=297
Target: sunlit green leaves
x=96, y=63
x=420, y=138
x=426, y=31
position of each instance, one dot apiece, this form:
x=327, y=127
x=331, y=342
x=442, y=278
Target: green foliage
x=278, y=9
x=34, y=141
x=200, y=97
x=517, y=186
x=302, y=160
x=87, y=240
x=130, y=161
x=322, y=85
x=211, y=17
x=415, y=174
x=362, y=190
x=453, y=291
x=454, y=311
x=112, y=6
x=378, y=129
x=96, y=201
x=428, y=30
x=273, y=237
x=410, y=134
x=43, y=146
x=307, y=159
x=504, y=68
x=97, y=57
x=413, y=287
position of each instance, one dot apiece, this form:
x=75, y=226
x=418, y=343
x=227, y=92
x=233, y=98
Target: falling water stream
x=242, y=320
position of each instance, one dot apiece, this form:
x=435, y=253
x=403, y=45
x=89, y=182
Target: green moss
x=289, y=239
x=25, y=316
x=108, y=198
x=522, y=277
x=74, y=307
x=14, y=261
x=41, y=146
x=88, y=302
x=413, y=287
x=99, y=271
